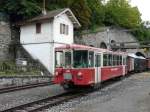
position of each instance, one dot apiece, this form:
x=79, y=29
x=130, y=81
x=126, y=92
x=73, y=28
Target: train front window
x=80, y=59
x=59, y=59
x=68, y=59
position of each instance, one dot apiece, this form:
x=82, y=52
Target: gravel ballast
x=12, y=99
x=129, y=95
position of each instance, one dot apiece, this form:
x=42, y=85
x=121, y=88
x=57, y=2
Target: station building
x=40, y=35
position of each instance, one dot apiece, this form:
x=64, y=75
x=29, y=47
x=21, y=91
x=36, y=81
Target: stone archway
x=112, y=45
x=91, y=46
x=103, y=45
x=113, y=42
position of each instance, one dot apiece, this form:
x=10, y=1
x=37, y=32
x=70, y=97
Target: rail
x=26, y=86
x=39, y=105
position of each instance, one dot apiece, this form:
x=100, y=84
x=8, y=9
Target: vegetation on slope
x=90, y=13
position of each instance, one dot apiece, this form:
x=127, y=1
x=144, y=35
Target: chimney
x=44, y=9
x=44, y=12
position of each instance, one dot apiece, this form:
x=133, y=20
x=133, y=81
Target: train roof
x=135, y=56
x=84, y=47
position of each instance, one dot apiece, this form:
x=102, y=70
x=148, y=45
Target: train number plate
x=67, y=76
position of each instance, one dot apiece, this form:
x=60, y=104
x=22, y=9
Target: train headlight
x=79, y=75
x=56, y=73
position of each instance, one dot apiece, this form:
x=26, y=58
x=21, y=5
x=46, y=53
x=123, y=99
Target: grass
x=10, y=69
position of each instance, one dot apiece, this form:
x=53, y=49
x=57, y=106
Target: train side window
x=120, y=60
x=91, y=59
x=109, y=59
x=97, y=60
x=105, y=59
x=124, y=60
x=115, y=60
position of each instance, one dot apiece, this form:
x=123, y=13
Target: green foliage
x=98, y=12
x=9, y=68
x=120, y=13
x=90, y=13
x=20, y=9
x=82, y=12
x=142, y=33
x=79, y=8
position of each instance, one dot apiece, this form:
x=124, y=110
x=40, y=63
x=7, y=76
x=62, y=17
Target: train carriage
x=148, y=63
x=78, y=65
x=130, y=62
x=136, y=63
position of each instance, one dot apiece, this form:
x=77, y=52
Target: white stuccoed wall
x=67, y=39
x=50, y=33
x=43, y=53
x=28, y=33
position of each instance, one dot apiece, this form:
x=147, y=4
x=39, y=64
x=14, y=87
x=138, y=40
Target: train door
x=97, y=68
x=124, y=65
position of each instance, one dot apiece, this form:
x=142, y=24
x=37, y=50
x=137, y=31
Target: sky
x=144, y=8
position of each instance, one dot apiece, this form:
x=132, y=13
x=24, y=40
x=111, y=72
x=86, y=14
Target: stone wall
x=5, y=37
x=18, y=81
x=107, y=36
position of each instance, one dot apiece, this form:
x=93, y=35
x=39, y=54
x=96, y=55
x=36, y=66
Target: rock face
x=107, y=35
x=5, y=37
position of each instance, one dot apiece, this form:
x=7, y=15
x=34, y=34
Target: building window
x=64, y=29
x=38, y=27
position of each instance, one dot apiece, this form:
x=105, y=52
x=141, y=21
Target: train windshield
x=80, y=59
x=68, y=58
x=63, y=59
x=59, y=59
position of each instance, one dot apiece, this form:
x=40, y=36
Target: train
x=86, y=66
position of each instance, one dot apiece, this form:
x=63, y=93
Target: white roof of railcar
x=84, y=47
x=135, y=56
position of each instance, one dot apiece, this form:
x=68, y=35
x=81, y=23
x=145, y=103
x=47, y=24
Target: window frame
x=98, y=60
x=38, y=28
x=64, y=29
x=89, y=59
x=105, y=59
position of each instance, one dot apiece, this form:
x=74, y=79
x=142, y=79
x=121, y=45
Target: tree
x=98, y=12
x=142, y=33
x=120, y=13
x=21, y=9
x=79, y=8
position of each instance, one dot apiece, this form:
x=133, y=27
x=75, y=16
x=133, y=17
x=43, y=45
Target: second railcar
x=136, y=63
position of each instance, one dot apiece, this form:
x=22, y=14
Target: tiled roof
x=50, y=15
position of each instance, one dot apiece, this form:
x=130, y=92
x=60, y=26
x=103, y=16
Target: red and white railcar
x=79, y=65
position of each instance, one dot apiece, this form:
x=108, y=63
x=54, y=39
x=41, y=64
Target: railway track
x=42, y=104
x=27, y=86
